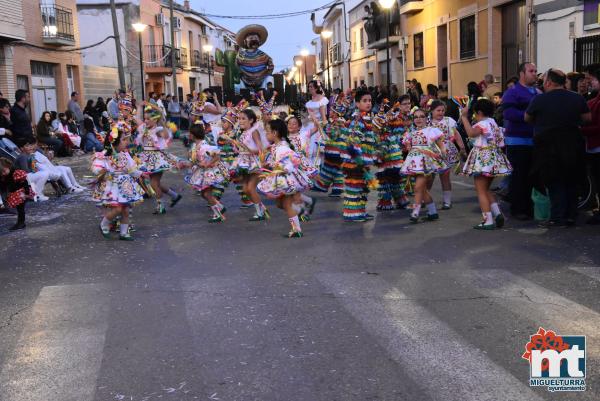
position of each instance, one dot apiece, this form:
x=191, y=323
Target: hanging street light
x=208, y=49
x=387, y=5
x=327, y=34
x=139, y=27
x=304, y=53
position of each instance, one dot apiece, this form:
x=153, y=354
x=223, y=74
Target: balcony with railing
x=158, y=58
x=411, y=6
x=57, y=25
x=199, y=60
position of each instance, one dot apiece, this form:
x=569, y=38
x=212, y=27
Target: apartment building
x=194, y=61
x=453, y=42
x=363, y=59
x=49, y=75
x=567, y=33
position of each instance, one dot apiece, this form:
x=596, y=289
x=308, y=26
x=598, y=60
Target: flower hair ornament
x=126, y=105
x=380, y=120
x=198, y=106
x=119, y=127
x=232, y=114
x=154, y=111
x=414, y=109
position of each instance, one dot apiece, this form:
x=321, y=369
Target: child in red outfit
x=18, y=189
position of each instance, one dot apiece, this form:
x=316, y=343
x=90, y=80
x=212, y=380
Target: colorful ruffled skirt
x=276, y=185
x=452, y=154
x=156, y=161
x=488, y=161
x=118, y=190
x=420, y=161
x=244, y=164
x=212, y=177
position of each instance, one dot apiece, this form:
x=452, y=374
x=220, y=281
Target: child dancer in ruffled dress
x=208, y=171
x=425, y=158
x=486, y=161
x=117, y=188
x=246, y=166
x=154, y=138
x=300, y=139
x=453, y=142
x=284, y=176
x=331, y=174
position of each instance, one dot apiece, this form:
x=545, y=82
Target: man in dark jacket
x=558, y=158
x=21, y=123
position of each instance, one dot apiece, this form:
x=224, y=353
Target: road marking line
x=59, y=353
x=429, y=350
x=592, y=272
x=545, y=307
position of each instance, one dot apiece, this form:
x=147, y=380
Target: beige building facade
x=453, y=42
x=192, y=32
x=49, y=75
x=363, y=60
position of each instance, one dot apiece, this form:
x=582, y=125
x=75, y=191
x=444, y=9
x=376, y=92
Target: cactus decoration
x=232, y=72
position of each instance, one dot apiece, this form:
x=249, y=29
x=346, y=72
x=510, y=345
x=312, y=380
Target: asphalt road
x=376, y=311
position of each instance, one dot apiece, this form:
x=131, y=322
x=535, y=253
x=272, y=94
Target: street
x=377, y=311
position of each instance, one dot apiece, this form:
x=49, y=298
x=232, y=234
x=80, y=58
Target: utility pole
x=113, y=11
x=173, y=58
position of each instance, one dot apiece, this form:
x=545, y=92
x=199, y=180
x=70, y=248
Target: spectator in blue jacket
x=519, y=140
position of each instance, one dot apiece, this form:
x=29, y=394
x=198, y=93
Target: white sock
x=487, y=217
x=295, y=222
x=105, y=223
x=216, y=210
x=495, y=209
x=431, y=208
x=259, y=210
x=416, y=210
x=447, y=196
x=124, y=229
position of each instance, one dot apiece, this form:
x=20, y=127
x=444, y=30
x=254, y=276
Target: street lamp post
x=299, y=64
x=304, y=53
x=387, y=5
x=208, y=48
x=327, y=34
x=139, y=28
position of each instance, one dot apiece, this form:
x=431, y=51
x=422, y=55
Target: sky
x=286, y=36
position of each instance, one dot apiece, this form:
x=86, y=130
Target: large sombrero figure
x=255, y=65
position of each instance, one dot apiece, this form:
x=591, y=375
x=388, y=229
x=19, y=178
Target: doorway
x=514, y=39
x=43, y=99
x=192, y=84
x=442, y=55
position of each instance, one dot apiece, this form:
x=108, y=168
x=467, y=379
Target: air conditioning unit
x=160, y=19
x=176, y=23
